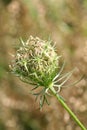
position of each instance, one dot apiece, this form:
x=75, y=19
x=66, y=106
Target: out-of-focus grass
x=6, y=1
x=2, y=127
x=1, y=71
x=32, y=10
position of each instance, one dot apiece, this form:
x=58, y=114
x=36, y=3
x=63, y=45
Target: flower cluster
x=36, y=62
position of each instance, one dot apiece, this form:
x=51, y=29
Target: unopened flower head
x=36, y=62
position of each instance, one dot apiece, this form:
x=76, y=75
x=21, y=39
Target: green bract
x=36, y=62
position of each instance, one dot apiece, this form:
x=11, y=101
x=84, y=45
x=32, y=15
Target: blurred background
x=65, y=22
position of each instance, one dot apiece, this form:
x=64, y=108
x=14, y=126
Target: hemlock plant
x=37, y=63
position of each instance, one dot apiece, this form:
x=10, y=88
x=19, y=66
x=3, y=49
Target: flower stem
x=67, y=108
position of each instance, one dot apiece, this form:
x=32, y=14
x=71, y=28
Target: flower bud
x=36, y=62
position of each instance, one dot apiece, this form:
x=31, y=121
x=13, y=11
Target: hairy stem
x=67, y=108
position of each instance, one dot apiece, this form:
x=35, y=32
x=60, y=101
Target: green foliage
x=2, y=127
x=6, y=2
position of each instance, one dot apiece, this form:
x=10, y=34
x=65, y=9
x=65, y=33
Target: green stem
x=67, y=108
